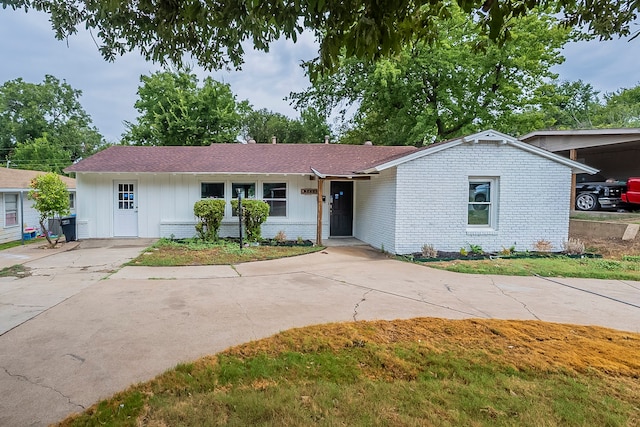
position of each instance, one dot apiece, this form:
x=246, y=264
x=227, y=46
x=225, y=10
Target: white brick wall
x=375, y=208
x=533, y=199
x=186, y=229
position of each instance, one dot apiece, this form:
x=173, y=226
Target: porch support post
x=573, y=155
x=319, y=222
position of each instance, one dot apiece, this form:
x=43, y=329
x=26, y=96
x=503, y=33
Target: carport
x=615, y=152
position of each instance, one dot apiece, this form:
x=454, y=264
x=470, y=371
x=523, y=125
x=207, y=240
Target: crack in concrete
x=629, y=284
x=26, y=379
x=42, y=307
x=466, y=303
x=251, y=322
x=513, y=298
x=394, y=294
x=76, y=357
x=355, y=308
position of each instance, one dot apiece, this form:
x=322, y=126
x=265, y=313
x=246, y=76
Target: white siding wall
x=165, y=204
x=30, y=219
x=376, y=210
x=533, y=199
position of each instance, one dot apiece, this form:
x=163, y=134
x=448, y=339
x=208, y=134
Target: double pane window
x=275, y=195
x=481, y=204
x=10, y=209
x=212, y=190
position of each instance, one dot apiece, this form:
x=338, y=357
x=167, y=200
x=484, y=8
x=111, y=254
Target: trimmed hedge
x=209, y=213
x=254, y=213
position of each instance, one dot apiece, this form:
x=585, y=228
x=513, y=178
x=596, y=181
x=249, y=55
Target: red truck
x=632, y=194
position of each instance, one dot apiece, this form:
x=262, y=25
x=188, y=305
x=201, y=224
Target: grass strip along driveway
x=405, y=372
x=193, y=252
x=594, y=268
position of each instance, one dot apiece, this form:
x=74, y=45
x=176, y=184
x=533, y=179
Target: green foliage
x=42, y=155
x=476, y=249
x=209, y=213
x=51, y=199
x=621, y=109
x=459, y=83
x=174, y=110
x=45, y=121
x=263, y=124
x=576, y=105
x=254, y=213
x=212, y=33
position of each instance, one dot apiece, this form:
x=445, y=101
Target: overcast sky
x=28, y=49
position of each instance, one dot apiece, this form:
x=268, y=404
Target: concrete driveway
x=95, y=331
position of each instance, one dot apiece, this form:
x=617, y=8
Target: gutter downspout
x=22, y=216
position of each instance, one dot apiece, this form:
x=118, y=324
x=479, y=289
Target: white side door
x=125, y=216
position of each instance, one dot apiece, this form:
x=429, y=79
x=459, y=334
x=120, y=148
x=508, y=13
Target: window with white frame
x=247, y=191
x=275, y=195
x=72, y=200
x=481, y=208
x=212, y=190
x=10, y=210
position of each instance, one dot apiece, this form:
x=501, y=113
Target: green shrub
x=210, y=213
x=254, y=213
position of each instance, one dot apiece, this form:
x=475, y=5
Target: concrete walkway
x=106, y=328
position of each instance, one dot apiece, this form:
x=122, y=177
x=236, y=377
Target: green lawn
x=598, y=268
x=9, y=245
x=193, y=252
x=415, y=372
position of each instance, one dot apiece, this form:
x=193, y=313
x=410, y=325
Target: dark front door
x=341, y=221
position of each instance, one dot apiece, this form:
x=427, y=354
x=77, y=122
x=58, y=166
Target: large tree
x=50, y=110
x=576, y=105
x=459, y=83
x=620, y=109
x=261, y=125
x=174, y=110
x=42, y=155
x=212, y=32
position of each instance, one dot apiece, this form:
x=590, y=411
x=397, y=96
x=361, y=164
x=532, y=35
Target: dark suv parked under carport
x=595, y=192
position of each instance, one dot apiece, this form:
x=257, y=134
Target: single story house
x=486, y=189
x=16, y=209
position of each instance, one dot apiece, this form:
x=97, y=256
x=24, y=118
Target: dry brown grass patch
x=522, y=344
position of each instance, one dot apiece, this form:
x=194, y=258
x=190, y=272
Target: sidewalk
x=32, y=251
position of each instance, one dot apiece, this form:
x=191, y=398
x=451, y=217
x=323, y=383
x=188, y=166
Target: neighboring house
x=16, y=210
x=487, y=189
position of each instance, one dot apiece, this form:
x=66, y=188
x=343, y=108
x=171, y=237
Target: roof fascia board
x=581, y=132
x=352, y=176
x=189, y=173
x=488, y=135
x=415, y=155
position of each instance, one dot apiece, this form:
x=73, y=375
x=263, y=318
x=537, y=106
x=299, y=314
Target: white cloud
x=28, y=49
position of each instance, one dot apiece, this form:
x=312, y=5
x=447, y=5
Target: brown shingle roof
x=21, y=178
x=328, y=159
